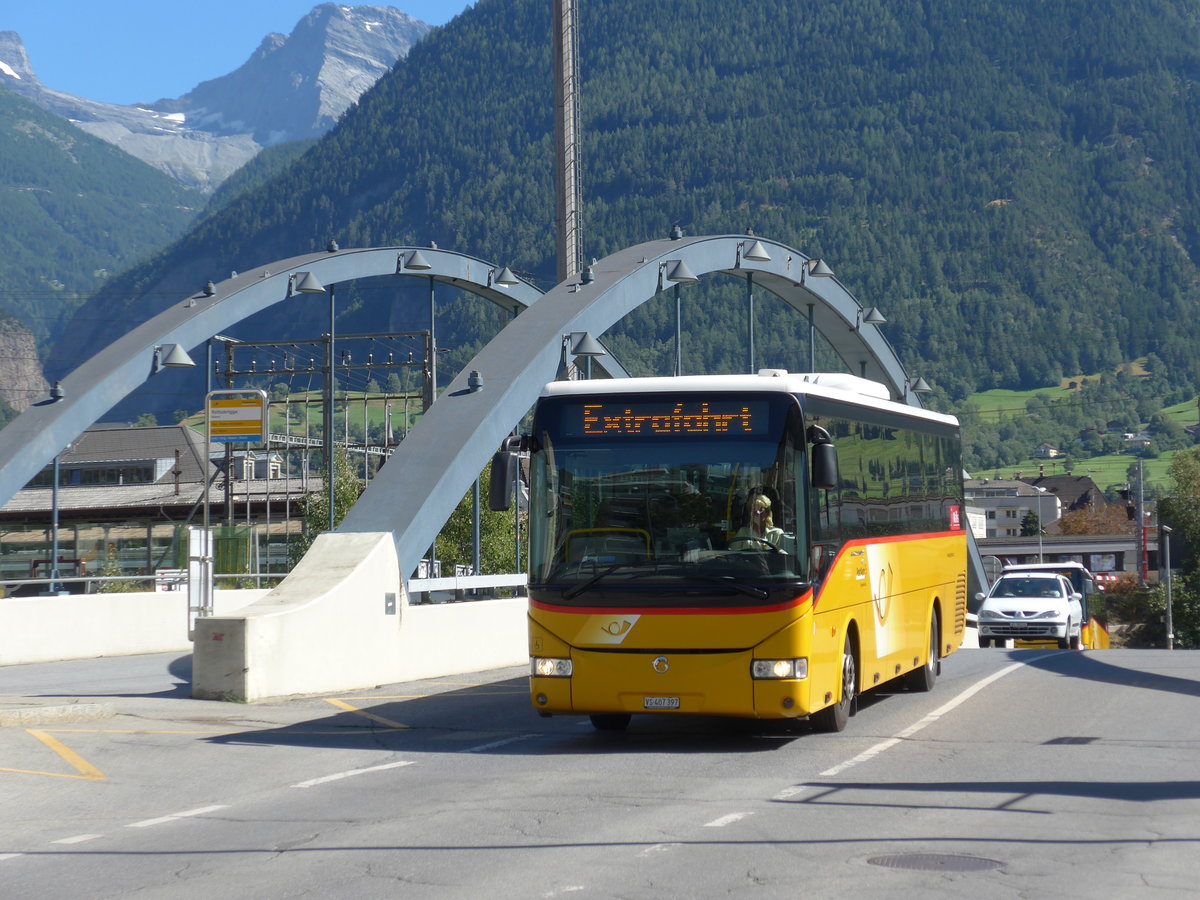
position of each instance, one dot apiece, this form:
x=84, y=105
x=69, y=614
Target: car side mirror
x=981, y=596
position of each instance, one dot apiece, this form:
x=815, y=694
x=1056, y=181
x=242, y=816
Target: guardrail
x=461, y=585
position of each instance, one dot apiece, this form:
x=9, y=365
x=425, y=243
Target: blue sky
x=131, y=51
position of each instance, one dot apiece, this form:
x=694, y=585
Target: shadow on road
x=1103, y=666
x=495, y=718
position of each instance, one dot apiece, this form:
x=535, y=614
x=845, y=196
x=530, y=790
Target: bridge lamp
x=503, y=277
x=869, y=316
x=916, y=385
x=171, y=356
x=415, y=261
x=583, y=344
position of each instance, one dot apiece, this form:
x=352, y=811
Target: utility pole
x=568, y=204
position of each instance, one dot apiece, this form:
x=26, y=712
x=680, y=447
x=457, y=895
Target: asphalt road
x=1030, y=773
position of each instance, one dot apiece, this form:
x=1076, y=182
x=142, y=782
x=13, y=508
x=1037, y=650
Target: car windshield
x=1028, y=587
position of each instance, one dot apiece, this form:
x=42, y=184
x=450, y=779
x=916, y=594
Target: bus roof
x=830, y=385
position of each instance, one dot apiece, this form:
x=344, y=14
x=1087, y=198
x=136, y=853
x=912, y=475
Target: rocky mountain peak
x=292, y=87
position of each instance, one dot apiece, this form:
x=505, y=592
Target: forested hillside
x=1014, y=183
x=76, y=210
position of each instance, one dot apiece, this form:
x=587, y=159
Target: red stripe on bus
x=672, y=611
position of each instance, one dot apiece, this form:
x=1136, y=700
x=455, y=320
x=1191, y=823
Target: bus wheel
x=611, y=721
x=923, y=679
x=835, y=717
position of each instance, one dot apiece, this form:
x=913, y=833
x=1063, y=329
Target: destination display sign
x=714, y=417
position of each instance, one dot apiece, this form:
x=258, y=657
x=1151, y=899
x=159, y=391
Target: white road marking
x=4, y=856
x=350, y=773
x=789, y=792
x=726, y=820
x=657, y=848
x=511, y=740
x=162, y=820
x=908, y=732
x=77, y=839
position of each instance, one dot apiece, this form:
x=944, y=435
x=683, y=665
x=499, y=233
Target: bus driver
x=759, y=527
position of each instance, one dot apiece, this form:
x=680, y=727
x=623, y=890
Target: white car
x=1032, y=606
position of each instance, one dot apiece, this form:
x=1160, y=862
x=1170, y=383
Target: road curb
x=28, y=716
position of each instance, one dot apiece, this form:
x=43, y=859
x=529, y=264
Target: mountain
x=75, y=210
x=293, y=87
x=1014, y=183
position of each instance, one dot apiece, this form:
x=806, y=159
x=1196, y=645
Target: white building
x=1002, y=505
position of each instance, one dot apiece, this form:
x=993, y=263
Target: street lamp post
x=1170, y=620
x=1041, y=524
x=55, y=587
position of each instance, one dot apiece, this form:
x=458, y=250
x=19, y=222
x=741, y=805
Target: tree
x=1096, y=518
x=1181, y=505
x=315, y=506
x=1031, y=525
x=496, y=538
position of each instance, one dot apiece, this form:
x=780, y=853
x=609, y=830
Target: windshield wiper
x=727, y=581
x=571, y=593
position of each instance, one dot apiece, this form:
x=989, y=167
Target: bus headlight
x=550, y=667
x=779, y=668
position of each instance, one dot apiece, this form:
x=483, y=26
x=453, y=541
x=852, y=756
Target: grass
x=1109, y=472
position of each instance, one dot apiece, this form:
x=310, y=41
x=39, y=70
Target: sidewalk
x=80, y=690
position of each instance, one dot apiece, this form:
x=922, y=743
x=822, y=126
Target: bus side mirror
x=824, y=467
x=505, y=470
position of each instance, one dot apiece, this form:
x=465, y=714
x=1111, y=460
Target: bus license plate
x=660, y=703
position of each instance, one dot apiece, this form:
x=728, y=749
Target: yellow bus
x=766, y=546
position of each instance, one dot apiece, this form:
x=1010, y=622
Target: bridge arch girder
x=422, y=482
x=32, y=440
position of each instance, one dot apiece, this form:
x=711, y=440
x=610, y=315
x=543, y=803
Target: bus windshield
x=650, y=493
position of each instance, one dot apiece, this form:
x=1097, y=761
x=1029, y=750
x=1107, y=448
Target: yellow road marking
x=342, y=704
x=86, y=770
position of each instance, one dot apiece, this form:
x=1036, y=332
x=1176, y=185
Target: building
x=126, y=495
x=1003, y=505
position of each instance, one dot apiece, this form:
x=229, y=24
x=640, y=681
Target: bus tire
x=834, y=718
x=610, y=721
x=924, y=678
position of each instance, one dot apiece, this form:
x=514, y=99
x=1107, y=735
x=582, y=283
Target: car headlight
x=1049, y=614
x=991, y=614
x=779, y=668
x=550, y=667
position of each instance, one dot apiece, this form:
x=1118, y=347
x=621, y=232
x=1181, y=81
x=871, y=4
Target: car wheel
x=985, y=642
x=1064, y=643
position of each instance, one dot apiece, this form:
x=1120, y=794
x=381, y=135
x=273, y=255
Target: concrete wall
x=340, y=621
x=83, y=626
